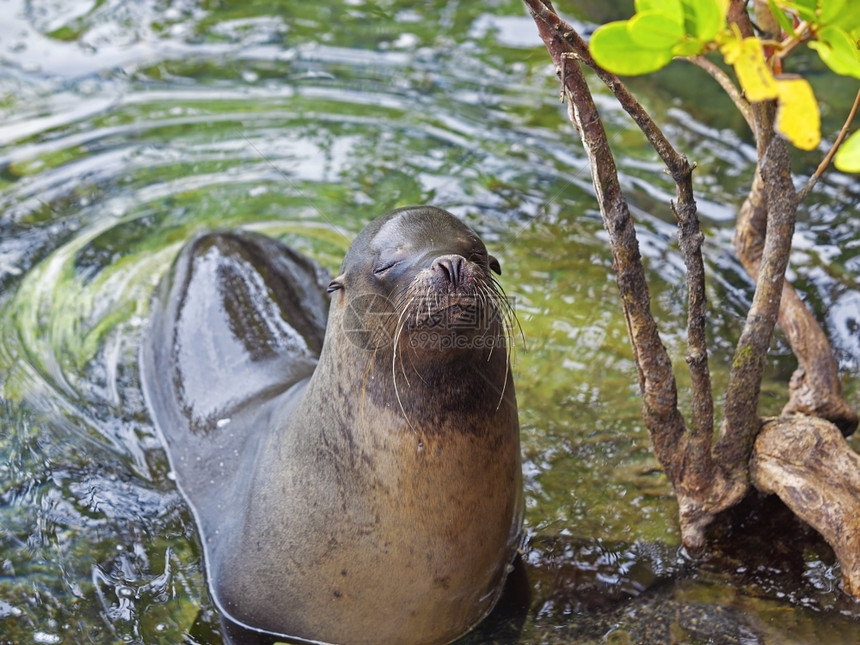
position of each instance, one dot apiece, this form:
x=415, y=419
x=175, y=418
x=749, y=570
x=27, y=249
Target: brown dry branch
x=815, y=388
x=689, y=234
x=652, y=361
x=684, y=454
x=708, y=479
x=802, y=459
x=741, y=424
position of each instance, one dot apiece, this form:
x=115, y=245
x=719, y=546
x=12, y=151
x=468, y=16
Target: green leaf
x=670, y=8
x=847, y=158
x=830, y=9
x=704, y=18
x=849, y=18
x=688, y=47
x=838, y=51
x=785, y=23
x=614, y=49
x=653, y=30
x=806, y=9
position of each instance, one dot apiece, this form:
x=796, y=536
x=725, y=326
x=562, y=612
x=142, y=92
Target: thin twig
x=729, y=88
x=689, y=232
x=685, y=455
x=803, y=193
x=679, y=167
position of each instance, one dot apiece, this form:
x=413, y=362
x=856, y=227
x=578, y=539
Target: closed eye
x=385, y=267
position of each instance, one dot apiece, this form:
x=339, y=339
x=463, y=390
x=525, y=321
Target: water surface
x=126, y=127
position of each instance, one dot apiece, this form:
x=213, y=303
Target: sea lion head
x=419, y=281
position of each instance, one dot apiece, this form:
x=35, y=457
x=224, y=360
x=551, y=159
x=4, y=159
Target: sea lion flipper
x=235, y=331
x=240, y=316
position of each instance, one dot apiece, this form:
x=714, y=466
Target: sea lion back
x=237, y=322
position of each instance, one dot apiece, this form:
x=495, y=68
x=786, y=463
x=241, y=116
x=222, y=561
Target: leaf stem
x=810, y=183
x=729, y=88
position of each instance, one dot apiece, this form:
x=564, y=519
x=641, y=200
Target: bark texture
x=741, y=423
x=815, y=388
x=808, y=463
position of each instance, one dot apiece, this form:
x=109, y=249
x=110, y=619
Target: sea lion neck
x=466, y=390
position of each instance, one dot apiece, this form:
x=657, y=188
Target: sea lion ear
x=335, y=284
x=495, y=266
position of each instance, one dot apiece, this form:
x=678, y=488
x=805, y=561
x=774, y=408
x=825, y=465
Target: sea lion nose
x=452, y=267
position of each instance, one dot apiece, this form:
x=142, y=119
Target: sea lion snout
x=452, y=270
x=452, y=294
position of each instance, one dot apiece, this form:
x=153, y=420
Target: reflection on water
x=128, y=126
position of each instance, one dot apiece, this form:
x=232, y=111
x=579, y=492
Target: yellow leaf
x=754, y=75
x=797, y=113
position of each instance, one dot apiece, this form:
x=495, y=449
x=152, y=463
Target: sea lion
x=357, y=481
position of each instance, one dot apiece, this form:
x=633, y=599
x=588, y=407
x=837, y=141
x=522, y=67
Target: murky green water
x=127, y=126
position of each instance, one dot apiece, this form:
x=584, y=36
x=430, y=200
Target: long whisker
x=490, y=305
x=500, y=304
x=398, y=331
x=511, y=318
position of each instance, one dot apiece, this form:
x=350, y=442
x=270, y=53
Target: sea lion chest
x=385, y=529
